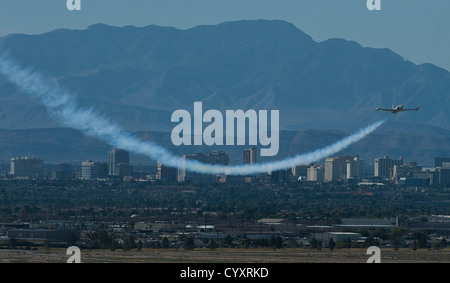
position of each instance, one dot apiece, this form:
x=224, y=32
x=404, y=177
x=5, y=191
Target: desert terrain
x=55, y=255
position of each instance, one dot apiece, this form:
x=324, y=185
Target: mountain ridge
x=137, y=76
x=233, y=64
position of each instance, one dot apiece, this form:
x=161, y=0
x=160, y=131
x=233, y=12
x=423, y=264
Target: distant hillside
x=60, y=145
x=139, y=76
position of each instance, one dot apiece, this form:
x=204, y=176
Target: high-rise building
x=444, y=176
x=250, y=155
x=63, y=172
x=332, y=169
x=403, y=171
x=119, y=162
x=431, y=175
x=355, y=168
x=336, y=168
x=218, y=157
x=441, y=161
x=94, y=170
x=315, y=173
x=168, y=174
x=279, y=176
x=215, y=157
x=123, y=169
x=27, y=167
x=300, y=170
x=384, y=165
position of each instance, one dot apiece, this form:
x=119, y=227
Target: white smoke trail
x=61, y=104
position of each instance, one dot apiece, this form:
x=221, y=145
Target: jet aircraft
x=397, y=109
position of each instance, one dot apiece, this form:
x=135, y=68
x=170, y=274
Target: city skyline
x=336, y=168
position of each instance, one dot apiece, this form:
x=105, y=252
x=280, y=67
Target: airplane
x=397, y=109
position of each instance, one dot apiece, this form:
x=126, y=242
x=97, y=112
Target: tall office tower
x=300, y=170
x=27, y=167
x=336, y=168
x=441, y=161
x=87, y=169
x=168, y=174
x=208, y=158
x=119, y=162
x=331, y=169
x=280, y=176
x=315, y=173
x=63, y=172
x=444, y=176
x=219, y=157
x=94, y=170
x=355, y=168
x=250, y=155
x=384, y=165
x=405, y=171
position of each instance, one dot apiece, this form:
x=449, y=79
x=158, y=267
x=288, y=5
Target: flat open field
x=226, y=256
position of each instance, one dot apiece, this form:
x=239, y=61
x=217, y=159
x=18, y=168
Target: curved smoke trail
x=63, y=107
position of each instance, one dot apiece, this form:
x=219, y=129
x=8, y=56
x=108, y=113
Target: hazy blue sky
x=419, y=30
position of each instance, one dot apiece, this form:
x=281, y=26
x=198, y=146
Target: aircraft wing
x=391, y=110
x=415, y=109
x=397, y=110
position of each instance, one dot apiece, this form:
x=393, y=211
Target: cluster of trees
x=274, y=242
x=103, y=239
x=320, y=203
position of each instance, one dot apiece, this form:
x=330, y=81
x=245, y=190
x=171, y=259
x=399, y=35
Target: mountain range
x=137, y=77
